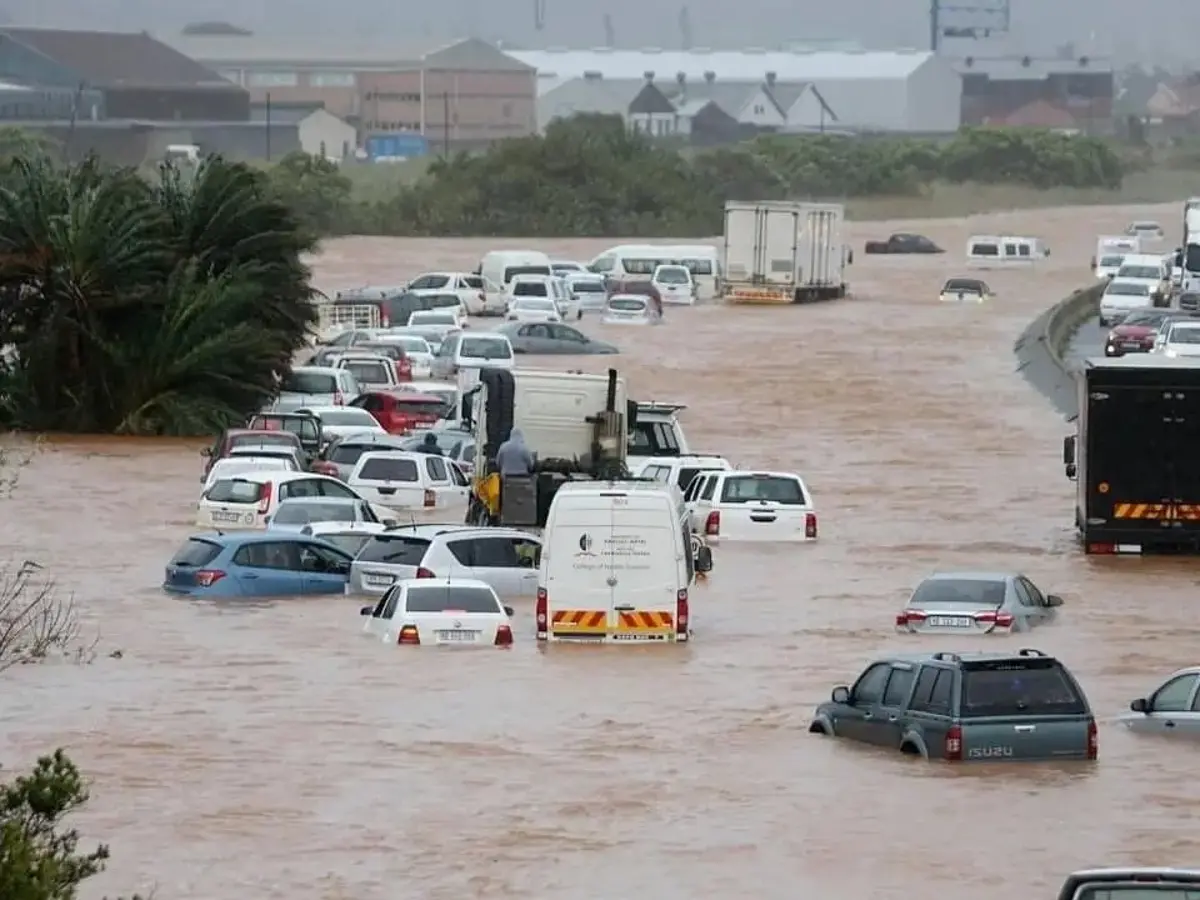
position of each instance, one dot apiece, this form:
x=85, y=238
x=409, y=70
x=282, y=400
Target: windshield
x=368, y=372
x=985, y=250
x=1184, y=336
x=1011, y=687
x=452, y=598
x=301, y=512
x=530, y=289
x=235, y=490
x=959, y=591
x=309, y=383
x=443, y=301
x=1191, y=258
x=1147, y=319
x=1128, y=289
x=1148, y=272
x=484, y=348
x=627, y=304
x=1111, y=262
x=672, y=275
x=350, y=416
x=749, y=488
x=587, y=285
x=513, y=271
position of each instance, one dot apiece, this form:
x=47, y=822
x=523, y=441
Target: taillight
x=952, y=749
x=338, y=399
x=810, y=526
x=430, y=499
x=409, y=635
x=540, y=611
x=209, y=577
x=264, y=497
x=991, y=617
x=425, y=573
x=504, y=636
x=712, y=525
x=682, y=616
x=909, y=616
x=1093, y=748
x=384, y=320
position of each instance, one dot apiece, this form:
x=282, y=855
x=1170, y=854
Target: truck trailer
x=1134, y=455
x=784, y=252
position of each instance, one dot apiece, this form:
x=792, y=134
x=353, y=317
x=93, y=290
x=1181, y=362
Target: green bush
x=133, y=307
x=589, y=176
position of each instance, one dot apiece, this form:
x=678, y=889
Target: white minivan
x=502, y=266
x=617, y=562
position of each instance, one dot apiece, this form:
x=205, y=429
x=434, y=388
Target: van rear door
x=642, y=561
x=579, y=597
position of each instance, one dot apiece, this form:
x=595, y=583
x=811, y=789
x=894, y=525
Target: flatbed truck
x=1135, y=456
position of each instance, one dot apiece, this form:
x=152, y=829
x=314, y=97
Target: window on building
x=331, y=79
x=272, y=79
x=759, y=109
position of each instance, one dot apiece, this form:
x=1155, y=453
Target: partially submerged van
x=502, y=266
x=617, y=563
x=988, y=250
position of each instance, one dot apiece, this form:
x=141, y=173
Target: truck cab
x=656, y=432
x=1133, y=455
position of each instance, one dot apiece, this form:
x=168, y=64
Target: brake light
x=430, y=499
x=909, y=616
x=952, y=749
x=338, y=399
x=409, y=635
x=1101, y=548
x=384, y=320
x=1093, y=748
x=682, y=615
x=209, y=577
x=999, y=619
x=504, y=636
x=540, y=611
x=712, y=525
x=425, y=573
x=322, y=467
x=810, y=526
x=264, y=498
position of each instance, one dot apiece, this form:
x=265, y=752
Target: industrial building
x=902, y=91
x=1061, y=92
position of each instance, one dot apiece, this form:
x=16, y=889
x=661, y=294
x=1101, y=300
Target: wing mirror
x=1069, y=450
x=365, y=610
x=841, y=694
x=703, y=561
x=1054, y=600
x=207, y=451
x=1071, y=471
x=508, y=611
x=390, y=523
x=1140, y=705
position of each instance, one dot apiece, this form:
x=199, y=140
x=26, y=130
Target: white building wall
x=807, y=112
x=934, y=101
x=876, y=104
x=323, y=128
x=760, y=110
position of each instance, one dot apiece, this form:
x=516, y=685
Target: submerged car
x=976, y=603
x=552, y=338
x=1173, y=708
x=256, y=564
x=965, y=290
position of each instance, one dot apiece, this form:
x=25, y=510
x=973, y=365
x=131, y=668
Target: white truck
x=784, y=252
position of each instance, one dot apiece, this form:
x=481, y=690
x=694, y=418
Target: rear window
x=977, y=592
x=474, y=281
x=236, y=490
x=442, y=598
x=350, y=542
x=368, y=372
x=263, y=438
x=196, y=552
x=589, y=286
x=309, y=383
x=352, y=416
x=422, y=318
x=530, y=289
x=348, y=454
x=1024, y=687
x=396, y=550
x=966, y=285
x=513, y=271
x=1148, y=272
x=748, y=488
x=383, y=469
x=300, y=513
x=627, y=304
x=421, y=407
x=483, y=348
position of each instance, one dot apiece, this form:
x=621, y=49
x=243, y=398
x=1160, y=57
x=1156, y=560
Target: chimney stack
x=710, y=77
x=770, y=79
x=681, y=80
x=592, y=75
x=649, y=76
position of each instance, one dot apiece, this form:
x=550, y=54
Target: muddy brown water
x=268, y=750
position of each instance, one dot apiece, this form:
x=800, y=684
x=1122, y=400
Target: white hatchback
x=405, y=480
x=674, y=284
x=233, y=466
x=341, y=421
x=456, y=612
x=752, y=506
x=247, y=501
x=628, y=309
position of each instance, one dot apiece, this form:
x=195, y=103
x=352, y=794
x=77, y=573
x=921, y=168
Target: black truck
x=1135, y=456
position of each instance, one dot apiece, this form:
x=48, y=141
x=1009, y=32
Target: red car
x=1137, y=332
x=400, y=412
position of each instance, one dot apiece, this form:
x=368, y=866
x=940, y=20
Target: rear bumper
x=1149, y=538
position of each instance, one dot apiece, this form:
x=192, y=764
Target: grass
x=370, y=181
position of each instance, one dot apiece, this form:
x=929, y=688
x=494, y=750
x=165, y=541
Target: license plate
x=457, y=637
x=1131, y=345
x=950, y=622
x=378, y=580
x=221, y=516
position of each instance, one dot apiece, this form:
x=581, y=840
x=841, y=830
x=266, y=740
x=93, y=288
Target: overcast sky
x=1144, y=31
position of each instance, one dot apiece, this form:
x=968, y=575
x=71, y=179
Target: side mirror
x=390, y=523
x=508, y=611
x=1071, y=471
x=841, y=694
x=1054, y=600
x=1069, y=449
x=704, y=559
x=207, y=451
x=1140, y=705
x=365, y=610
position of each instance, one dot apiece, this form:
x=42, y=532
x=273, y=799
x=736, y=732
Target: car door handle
x=249, y=575
x=1168, y=724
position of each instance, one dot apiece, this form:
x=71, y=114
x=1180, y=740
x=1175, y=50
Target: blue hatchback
x=256, y=564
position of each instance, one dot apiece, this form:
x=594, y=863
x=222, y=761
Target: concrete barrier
x=1041, y=348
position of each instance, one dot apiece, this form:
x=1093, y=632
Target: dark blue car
x=256, y=564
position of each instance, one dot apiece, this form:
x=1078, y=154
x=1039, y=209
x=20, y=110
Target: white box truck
x=784, y=252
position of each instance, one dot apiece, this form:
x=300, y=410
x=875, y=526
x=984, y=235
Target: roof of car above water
x=429, y=531
x=969, y=576
x=237, y=538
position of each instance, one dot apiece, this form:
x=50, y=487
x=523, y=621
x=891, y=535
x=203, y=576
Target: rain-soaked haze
x=268, y=750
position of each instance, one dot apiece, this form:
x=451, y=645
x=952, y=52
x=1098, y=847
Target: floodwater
x=270, y=751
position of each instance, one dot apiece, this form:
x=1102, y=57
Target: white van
x=988, y=250
x=502, y=266
x=616, y=564
x=1110, y=251
x=463, y=350
x=640, y=260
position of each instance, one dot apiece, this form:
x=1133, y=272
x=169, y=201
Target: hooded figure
x=430, y=444
x=513, y=457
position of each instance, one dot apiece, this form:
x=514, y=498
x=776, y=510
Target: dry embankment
x=1041, y=348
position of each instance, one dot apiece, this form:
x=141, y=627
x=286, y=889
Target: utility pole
x=268, y=125
x=446, y=125
x=971, y=21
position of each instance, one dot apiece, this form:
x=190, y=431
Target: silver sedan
x=1173, y=708
x=976, y=603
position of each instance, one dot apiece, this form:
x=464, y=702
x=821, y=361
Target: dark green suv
x=965, y=706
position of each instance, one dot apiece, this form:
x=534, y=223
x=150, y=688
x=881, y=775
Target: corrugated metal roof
x=117, y=59
x=735, y=65
x=730, y=96
x=353, y=52
x=580, y=95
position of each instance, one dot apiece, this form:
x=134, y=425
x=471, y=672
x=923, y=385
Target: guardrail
x=1041, y=348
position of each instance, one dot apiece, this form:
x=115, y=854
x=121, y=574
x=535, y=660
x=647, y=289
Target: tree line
x=590, y=176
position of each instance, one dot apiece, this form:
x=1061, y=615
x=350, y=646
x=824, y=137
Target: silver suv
x=316, y=386
x=505, y=558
